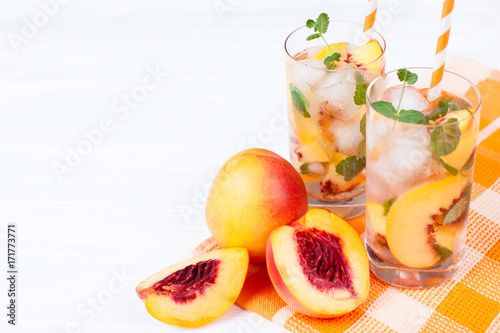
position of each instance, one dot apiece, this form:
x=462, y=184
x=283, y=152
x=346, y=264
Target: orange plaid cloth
x=470, y=302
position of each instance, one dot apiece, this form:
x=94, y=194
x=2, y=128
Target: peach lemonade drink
x=326, y=87
x=419, y=167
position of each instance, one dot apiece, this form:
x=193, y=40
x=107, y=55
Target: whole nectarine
x=255, y=192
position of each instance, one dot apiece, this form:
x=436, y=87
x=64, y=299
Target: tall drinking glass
x=326, y=109
x=419, y=178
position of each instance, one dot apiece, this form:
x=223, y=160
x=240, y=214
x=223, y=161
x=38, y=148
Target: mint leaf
x=310, y=24
x=350, y=167
x=445, y=138
x=385, y=108
x=300, y=101
x=470, y=161
x=330, y=60
x=320, y=26
x=313, y=36
x=322, y=23
x=450, y=169
x=454, y=104
x=402, y=74
x=437, y=113
x=362, y=125
x=442, y=251
x=405, y=75
x=448, y=104
x=360, y=94
x=467, y=191
x=388, y=204
x=411, y=116
x=361, y=152
x=360, y=79
x=459, y=208
x=304, y=169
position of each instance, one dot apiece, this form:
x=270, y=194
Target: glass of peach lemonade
x=419, y=166
x=329, y=65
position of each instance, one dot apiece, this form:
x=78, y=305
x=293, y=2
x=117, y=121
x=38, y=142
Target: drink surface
x=326, y=109
x=420, y=179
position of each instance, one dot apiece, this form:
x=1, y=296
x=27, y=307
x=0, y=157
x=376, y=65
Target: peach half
x=197, y=290
x=255, y=192
x=318, y=265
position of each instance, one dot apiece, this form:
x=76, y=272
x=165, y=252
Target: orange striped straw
x=370, y=17
x=441, y=48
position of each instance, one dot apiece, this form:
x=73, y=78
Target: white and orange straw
x=370, y=17
x=441, y=48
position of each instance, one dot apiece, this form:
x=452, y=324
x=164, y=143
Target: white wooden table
x=153, y=96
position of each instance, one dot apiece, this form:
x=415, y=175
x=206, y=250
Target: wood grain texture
x=134, y=205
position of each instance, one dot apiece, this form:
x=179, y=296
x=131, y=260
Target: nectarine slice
x=412, y=217
x=197, y=290
x=367, y=56
x=318, y=265
x=377, y=218
x=336, y=47
x=312, y=152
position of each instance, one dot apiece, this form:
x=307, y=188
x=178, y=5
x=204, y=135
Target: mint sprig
x=320, y=27
x=299, y=100
x=406, y=77
x=405, y=116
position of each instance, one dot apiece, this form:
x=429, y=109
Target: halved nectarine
x=197, y=290
x=318, y=265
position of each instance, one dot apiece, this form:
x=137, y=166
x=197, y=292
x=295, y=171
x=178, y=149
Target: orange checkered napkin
x=470, y=302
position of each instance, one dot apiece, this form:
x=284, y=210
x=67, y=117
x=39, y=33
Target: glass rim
x=375, y=32
x=476, y=90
